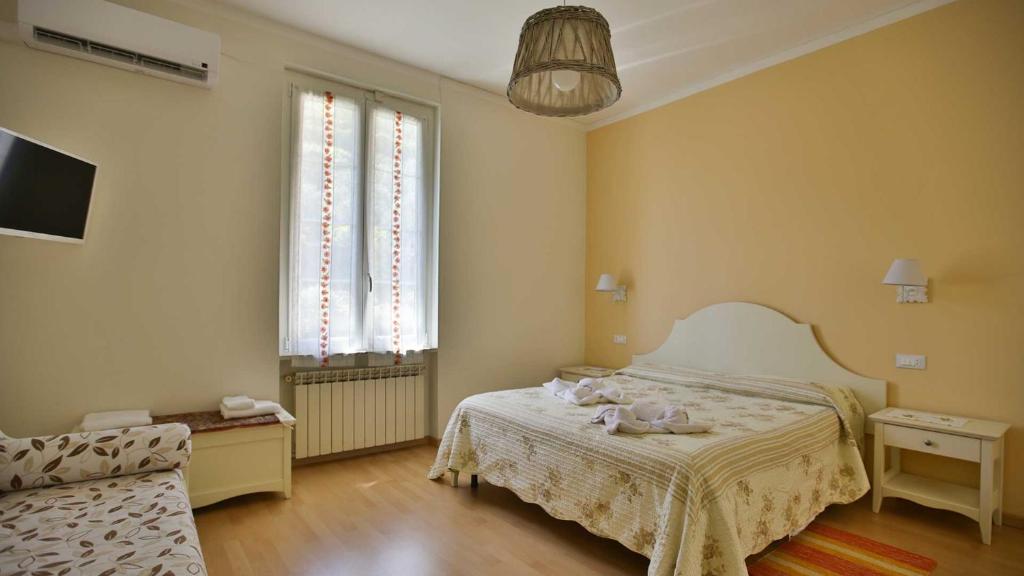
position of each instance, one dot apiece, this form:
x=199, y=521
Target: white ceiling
x=665, y=49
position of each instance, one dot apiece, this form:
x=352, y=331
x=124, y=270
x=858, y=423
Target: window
x=361, y=235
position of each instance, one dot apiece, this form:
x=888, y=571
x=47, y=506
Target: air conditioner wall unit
x=111, y=34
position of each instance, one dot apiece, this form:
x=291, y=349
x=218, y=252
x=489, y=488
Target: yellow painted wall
x=796, y=186
x=172, y=301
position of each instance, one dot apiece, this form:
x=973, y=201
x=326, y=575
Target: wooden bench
x=235, y=457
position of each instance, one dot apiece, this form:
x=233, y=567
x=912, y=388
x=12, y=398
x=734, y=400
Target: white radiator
x=351, y=409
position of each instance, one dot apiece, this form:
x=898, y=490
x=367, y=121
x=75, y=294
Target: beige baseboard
x=1013, y=520
x=361, y=452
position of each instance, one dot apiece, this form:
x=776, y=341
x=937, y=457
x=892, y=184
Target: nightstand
x=976, y=440
x=577, y=373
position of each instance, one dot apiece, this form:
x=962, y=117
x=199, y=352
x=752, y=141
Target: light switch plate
x=619, y=339
x=912, y=361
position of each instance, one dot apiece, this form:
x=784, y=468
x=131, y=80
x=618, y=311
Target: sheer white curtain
x=362, y=239
x=398, y=233
x=325, y=288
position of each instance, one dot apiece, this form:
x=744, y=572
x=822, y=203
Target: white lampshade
x=606, y=283
x=905, y=272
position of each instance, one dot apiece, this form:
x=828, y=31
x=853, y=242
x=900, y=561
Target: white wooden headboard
x=743, y=338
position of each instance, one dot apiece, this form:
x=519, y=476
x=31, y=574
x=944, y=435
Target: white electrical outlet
x=912, y=361
x=619, y=339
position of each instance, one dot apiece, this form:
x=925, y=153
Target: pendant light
x=564, y=65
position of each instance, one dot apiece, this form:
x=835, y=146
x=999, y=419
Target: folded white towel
x=285, y=418
x=647, y=417
x=619, y=419
x=262, y=408
x=586, y=391
x=115, y=419
x=238, y=403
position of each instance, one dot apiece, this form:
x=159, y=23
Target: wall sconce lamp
x=911, y=283
x=606, y=283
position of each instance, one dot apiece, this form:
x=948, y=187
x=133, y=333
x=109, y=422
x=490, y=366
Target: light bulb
x=565, y=80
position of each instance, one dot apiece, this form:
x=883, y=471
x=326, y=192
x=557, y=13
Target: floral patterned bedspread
x=780, y=451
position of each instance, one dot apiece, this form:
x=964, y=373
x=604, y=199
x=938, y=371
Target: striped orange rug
x=822, y=550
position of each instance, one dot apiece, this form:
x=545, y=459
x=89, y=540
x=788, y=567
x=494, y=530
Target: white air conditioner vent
x=111, y=34
x=174, y=68
x=58, y=39
x=113, y=53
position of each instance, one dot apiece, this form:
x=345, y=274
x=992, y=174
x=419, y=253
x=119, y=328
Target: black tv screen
x=44, y=193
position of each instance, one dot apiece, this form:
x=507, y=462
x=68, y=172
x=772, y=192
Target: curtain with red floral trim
x=360, y=277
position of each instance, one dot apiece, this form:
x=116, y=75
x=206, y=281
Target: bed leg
x=473, y=481
x=455, y=478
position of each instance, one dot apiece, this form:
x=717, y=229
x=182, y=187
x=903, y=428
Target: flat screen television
x=44, y=193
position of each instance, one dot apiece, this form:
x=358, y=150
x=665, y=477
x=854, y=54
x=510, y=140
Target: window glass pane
x=326, y=282
x=414, y=241
x=396, y=221
x=346, y=254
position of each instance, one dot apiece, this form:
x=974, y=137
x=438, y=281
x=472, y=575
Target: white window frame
x=428, y=114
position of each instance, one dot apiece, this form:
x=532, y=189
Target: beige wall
x=172, y=301
x=796, y=187
x=512, y=240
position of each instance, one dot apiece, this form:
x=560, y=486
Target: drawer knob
x=929, y=443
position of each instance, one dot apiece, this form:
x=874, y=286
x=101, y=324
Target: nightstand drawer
x=933, y=442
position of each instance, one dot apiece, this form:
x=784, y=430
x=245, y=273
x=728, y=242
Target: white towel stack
x=238, y=403
x=115, y=419
x=258, y=408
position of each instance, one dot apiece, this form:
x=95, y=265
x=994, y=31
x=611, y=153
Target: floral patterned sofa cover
x=98, y=503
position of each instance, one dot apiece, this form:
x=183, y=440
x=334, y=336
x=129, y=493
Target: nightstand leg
x=876, y=489
x=986, y=489
x=997, y=516
x=286, y=460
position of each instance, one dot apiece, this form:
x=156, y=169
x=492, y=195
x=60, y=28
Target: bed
x=788, y=429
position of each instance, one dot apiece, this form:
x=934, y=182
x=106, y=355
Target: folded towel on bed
x=587, y=391
x=115, y=419
x=238, y=403
x=647, y=417
x=261, y=408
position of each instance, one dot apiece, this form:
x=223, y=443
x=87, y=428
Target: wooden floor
x=380, y=515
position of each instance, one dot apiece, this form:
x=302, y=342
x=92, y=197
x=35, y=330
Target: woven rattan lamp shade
x=565, y=38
